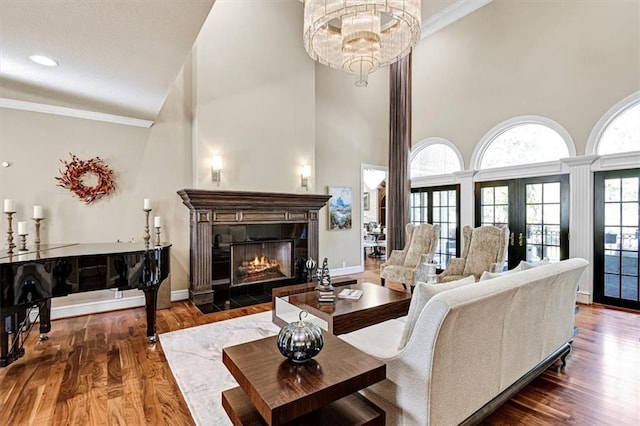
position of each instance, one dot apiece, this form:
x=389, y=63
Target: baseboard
x=346, y=271
x=96, y=307
x=584, y=298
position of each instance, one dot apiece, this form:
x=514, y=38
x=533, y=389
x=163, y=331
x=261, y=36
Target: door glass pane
x=486, y=196
x=630, y=263
x=629, y=239
x=552, y=253
x=534, y=193
x=487, y=215
x=551, y=214
x=552, y=235
x=612, y=214
x=630, y=189
x=611, y=262
x=630, y=214
x=534, y=213
x=502, y=214
x=630, y=288
x=612, y=190
x=502, y=195
x=552, y=192
x=611, y=285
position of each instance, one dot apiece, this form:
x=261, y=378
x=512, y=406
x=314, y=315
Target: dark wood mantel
x=208, y=208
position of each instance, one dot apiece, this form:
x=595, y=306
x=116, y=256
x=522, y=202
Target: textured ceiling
x=116, y=56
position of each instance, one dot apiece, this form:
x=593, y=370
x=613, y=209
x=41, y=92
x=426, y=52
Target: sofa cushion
x=421, y=295
x=530, y=265
x=379, y=340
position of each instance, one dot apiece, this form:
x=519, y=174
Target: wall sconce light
x=305, y=174
x=216, y=168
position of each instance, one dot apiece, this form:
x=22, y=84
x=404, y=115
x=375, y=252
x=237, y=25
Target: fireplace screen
x=261, y=261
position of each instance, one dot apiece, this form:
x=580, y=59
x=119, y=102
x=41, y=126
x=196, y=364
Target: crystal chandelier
x=360, y=36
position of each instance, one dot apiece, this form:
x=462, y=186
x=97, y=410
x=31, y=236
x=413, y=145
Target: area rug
x=195, y=358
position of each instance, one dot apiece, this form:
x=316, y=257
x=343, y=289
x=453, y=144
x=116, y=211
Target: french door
x=616, y=217
x=536, y=210
x=439, y=206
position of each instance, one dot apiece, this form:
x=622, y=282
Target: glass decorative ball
x=300, y=340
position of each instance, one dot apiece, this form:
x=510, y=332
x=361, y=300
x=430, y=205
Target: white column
x=467, y=204
x=581, y=219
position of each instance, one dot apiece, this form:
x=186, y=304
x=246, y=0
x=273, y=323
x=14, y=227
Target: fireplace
x=258, y=262
x=228, y=230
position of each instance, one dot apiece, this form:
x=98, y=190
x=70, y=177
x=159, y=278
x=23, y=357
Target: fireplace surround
x=222, y=220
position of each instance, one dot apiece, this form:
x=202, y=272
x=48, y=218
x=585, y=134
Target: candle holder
x=37, y=220
x=157, y=236
x=147, y=236
x=23, y=242
x=10, y=232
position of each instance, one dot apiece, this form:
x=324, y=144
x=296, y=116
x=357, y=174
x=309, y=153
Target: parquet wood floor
x=99, y=370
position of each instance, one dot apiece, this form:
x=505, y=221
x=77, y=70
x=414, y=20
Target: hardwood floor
x=99, y=370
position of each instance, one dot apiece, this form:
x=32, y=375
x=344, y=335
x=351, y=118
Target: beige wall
x=351, y=128
x=148, y=163
x=255, y=97
x=566, y=60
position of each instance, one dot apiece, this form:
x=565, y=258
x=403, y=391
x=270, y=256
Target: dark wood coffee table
x=376, y=305
x=273, y=390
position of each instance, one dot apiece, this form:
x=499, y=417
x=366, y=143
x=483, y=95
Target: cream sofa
x=466, y=347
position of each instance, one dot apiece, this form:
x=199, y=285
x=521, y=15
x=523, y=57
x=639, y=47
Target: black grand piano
x=31, y=278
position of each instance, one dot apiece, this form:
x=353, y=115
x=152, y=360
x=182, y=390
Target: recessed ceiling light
x=43, y=60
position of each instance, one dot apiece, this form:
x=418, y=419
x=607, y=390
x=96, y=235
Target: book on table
x=350, y=294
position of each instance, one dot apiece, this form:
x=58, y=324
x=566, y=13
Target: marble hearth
x=224, y=217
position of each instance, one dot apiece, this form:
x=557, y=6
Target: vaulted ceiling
x=116, y=57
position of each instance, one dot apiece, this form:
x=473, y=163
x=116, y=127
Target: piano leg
x=44, y=308
x=151, y=298
x=11, y=348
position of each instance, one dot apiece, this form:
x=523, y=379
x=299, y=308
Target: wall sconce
x=216, y=168
x=305, y=173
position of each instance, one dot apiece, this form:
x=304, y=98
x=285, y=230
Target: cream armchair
x=484, y=249
x=407, y=265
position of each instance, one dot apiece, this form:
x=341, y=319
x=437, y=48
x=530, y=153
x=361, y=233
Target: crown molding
x=73, y=112
x=449, y=15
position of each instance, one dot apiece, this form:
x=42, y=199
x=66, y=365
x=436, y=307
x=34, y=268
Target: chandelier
x=360, y=36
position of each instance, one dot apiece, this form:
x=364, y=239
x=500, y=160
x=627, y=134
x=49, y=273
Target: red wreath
x=71, y=178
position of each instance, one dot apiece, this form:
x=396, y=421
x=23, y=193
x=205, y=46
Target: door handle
x=513, y=236
x=520, y=239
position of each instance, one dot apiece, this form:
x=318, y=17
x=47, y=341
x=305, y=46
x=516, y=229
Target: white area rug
x=195, y=358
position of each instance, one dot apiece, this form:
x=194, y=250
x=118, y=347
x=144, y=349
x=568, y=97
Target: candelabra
x=157, y=236
x=23, y=242
x=10, y=232
x=147, y=236
x=37, y=220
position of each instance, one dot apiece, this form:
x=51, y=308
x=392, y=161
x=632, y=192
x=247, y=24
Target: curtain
x=399, y=147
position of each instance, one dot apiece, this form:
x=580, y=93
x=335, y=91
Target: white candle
x=9, y=206
x=157, y=221
x=22, y=228
x=37, y=212
x=147, y=204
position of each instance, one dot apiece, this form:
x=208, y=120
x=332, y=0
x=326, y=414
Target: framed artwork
x=365, y=201
x=339, y=208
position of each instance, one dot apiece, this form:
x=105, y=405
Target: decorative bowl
x=300, y=340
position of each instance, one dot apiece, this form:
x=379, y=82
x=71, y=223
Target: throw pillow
x=421, y=295
x=486, y=275
x=530, y=265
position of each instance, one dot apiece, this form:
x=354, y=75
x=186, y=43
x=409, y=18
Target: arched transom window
x=623, y=132
x=519, y=142
x=434, y=156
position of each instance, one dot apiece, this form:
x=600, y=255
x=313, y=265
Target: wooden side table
x=275, y=391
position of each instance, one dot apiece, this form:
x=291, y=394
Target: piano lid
x=55, y=251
